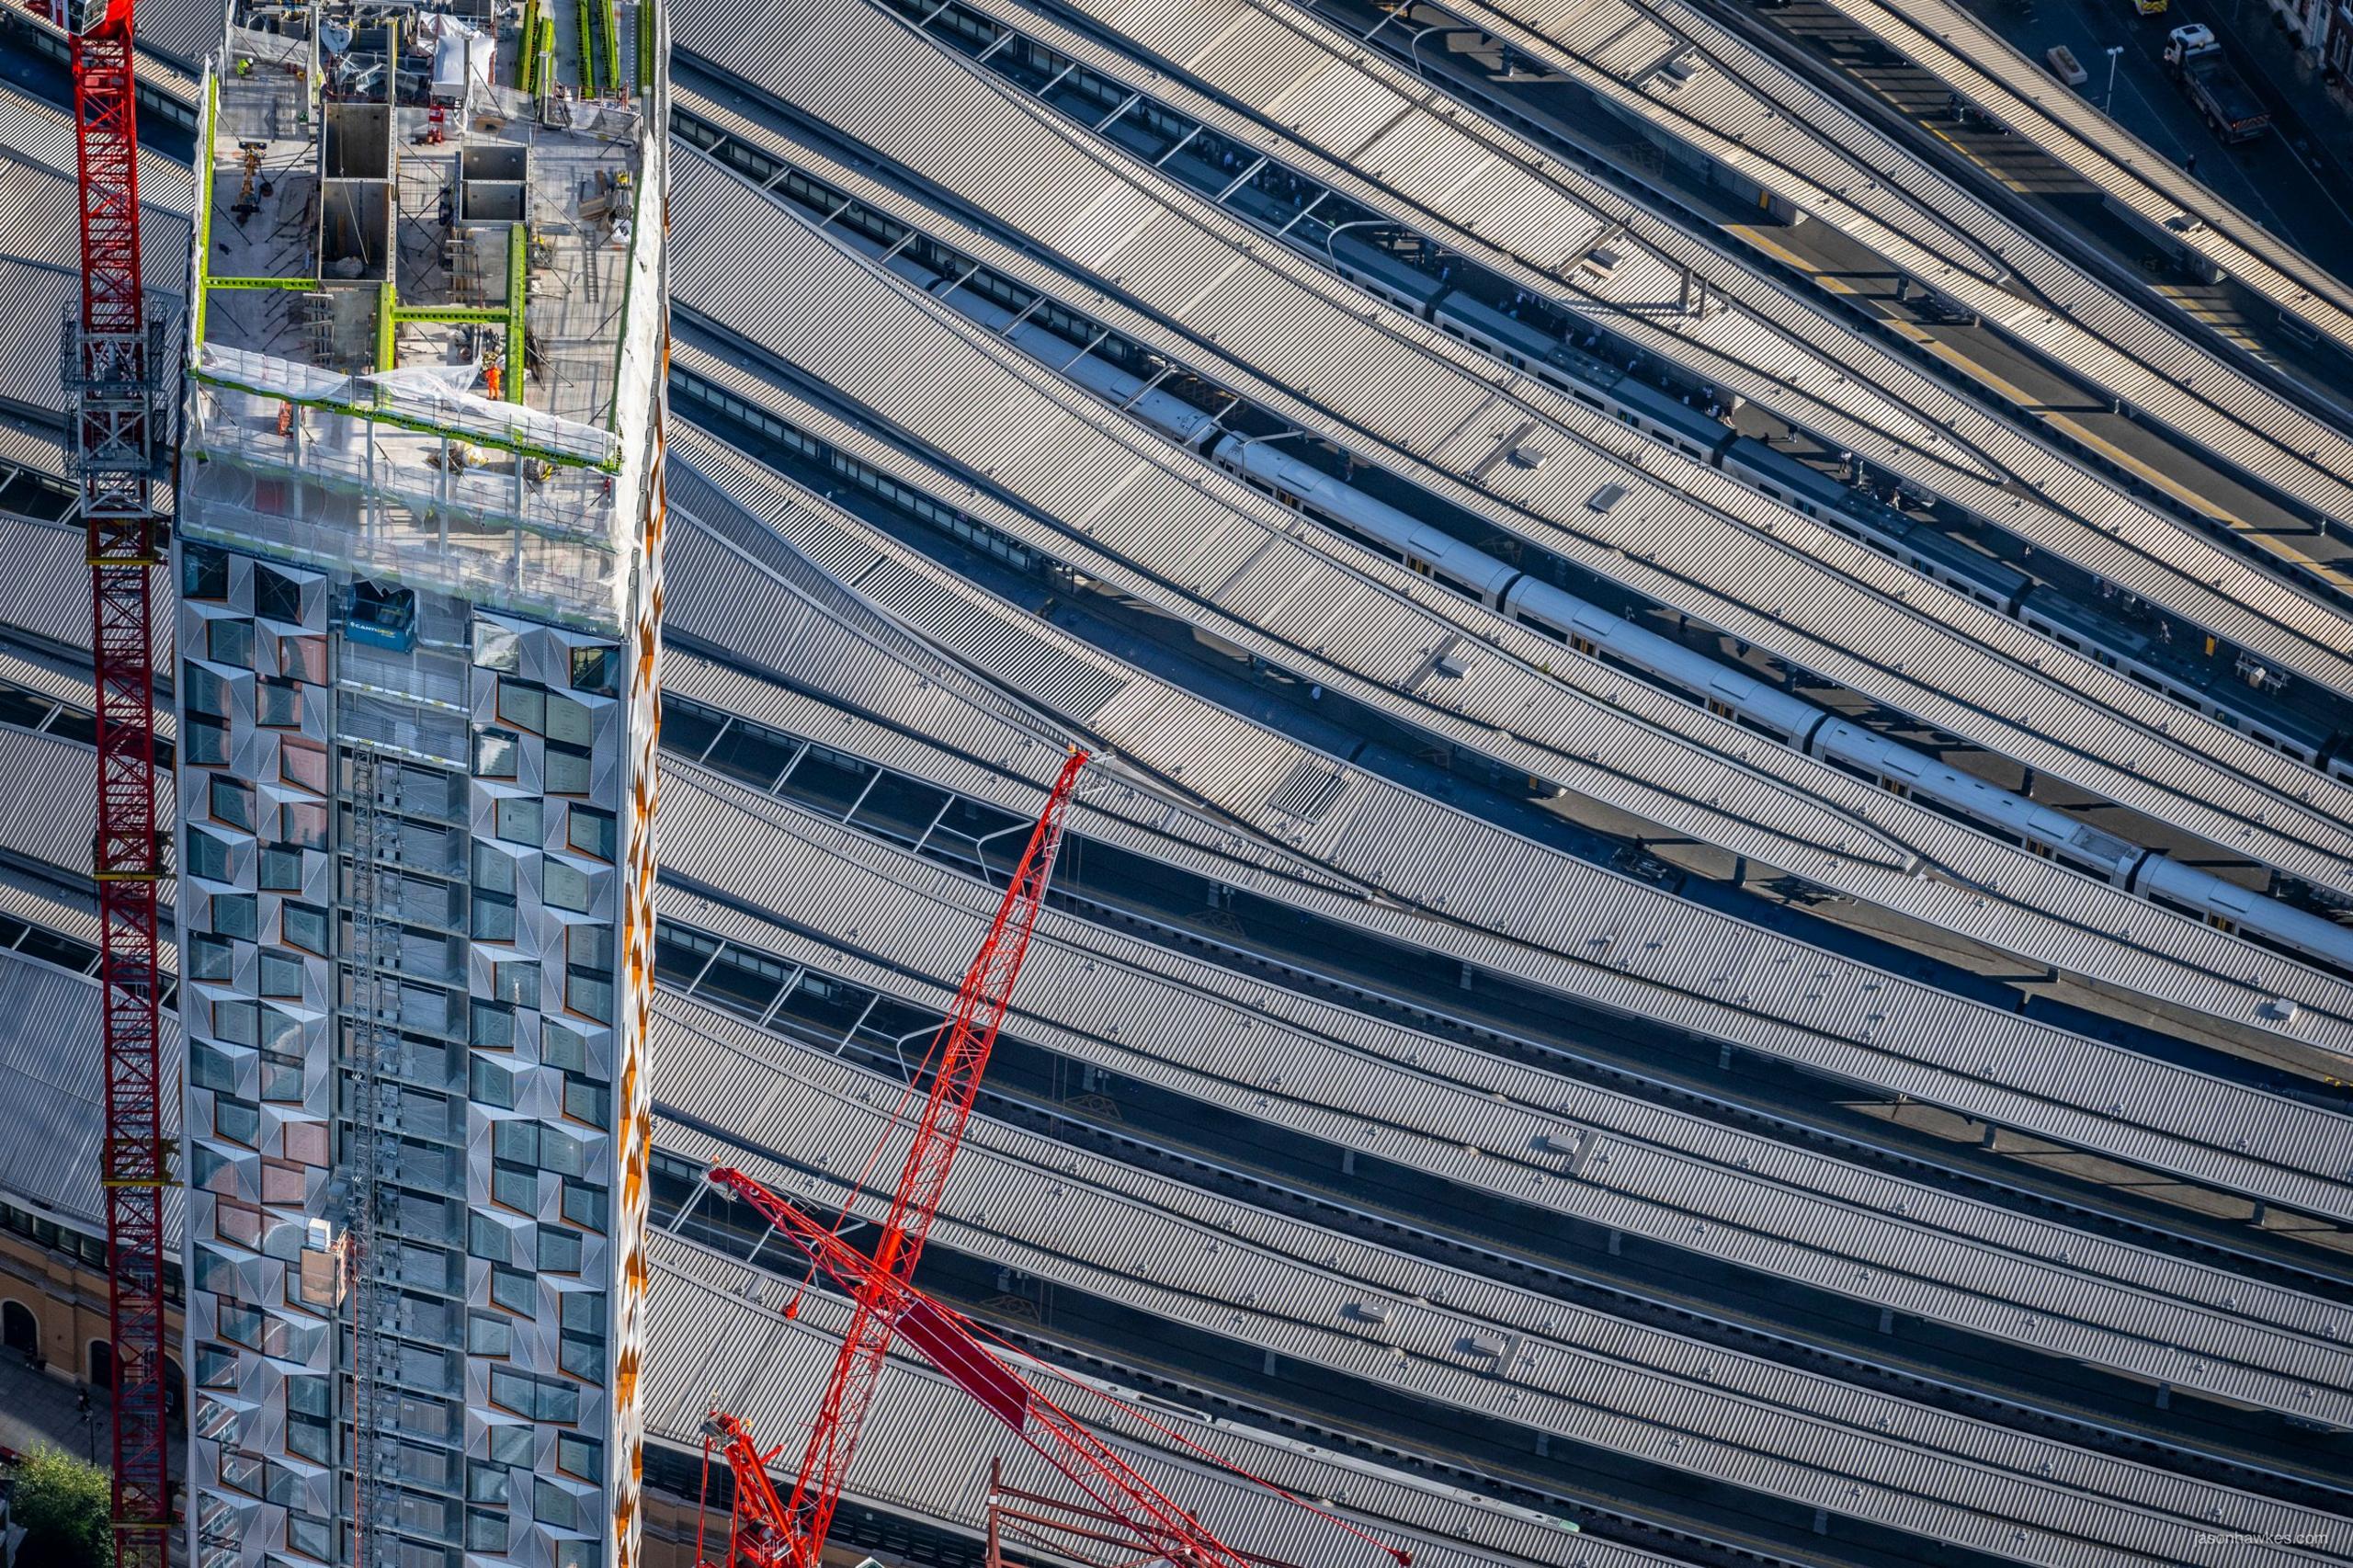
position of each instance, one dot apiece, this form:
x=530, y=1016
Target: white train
x=1591, y=629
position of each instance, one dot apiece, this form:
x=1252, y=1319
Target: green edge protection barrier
x=525, y=55
x=587, y=52
x=519, y=276
x=204, y=207
x=612, y=45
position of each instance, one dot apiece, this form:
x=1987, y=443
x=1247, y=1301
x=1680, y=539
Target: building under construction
x=418, y=555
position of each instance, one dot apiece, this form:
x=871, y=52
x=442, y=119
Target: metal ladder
x=373, y=1014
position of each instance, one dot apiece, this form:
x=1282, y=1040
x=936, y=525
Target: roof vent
x=1527, y=456
x=2280, y=1010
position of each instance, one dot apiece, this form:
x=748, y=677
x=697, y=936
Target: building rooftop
x=425, y=292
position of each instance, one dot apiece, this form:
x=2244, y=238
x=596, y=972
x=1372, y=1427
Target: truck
x=2232, y=112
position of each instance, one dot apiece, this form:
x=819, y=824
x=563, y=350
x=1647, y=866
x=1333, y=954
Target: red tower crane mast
x=959, y=1053
x=110, y=365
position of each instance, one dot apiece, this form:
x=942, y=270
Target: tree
x=65, y=1507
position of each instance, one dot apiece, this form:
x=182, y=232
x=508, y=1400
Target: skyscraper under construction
x=418, y=553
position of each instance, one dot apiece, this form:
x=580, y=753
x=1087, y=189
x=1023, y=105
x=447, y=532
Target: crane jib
x=997, y=1390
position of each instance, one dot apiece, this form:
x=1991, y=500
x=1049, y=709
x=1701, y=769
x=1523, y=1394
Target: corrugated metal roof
x=45, y=580
x=1209, y=549
x=1866, y=622
x=51, y=1081
x=33, y=129
x=1773, y=345
x=1176, y=1252
x=1760, y=118
x=1625, y=940
x=1265, y=1052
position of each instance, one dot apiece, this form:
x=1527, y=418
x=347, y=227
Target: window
x=496, y=753
x=282, y=868
x=304, y=823
x=233, y=915
x=277, y=597
x=486, y=1238
x=564, y=1047
x=515, y=1292
x=581, y=1456
x=278, y=704
x=216, y=1367
x=207, y=857
x=228, y=642
x=517, y=982
x=304, y=659
x=494, y=918
x=493, y=869
x=559, y=1152
x=208, y=740
x=203, y=691
x=591, y=832
x=544, y=1400
x=491, y=1082
x=236, y=1121
x=559, y=1250
x=232, y=801
x=522, y=704
x=593, y=669
x=494, y=1026
x=551, y=1505
x=516, y=1187
x=584, y=1205
x=570, y=722
x=565, y=887
x=211, y=1069
x=236, y=1022
x=307, y=1141
x=309, y=1535
x=487, y=1483
x=511, y=1445
x=567, y=770
x=210, y=959
x=583, y=1351
x=586, y=1100
x=281, y=974
x=303, y=762
x=305, y=925
x=204, y=573
x=485, y=1531
x=496, y=648
x=520, y=821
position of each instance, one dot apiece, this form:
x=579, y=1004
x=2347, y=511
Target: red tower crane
x=959, y=1053
x=110, y=366
x=1122, y=1505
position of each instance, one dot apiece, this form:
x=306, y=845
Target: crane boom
x=109, y=368
x=959, y=1055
